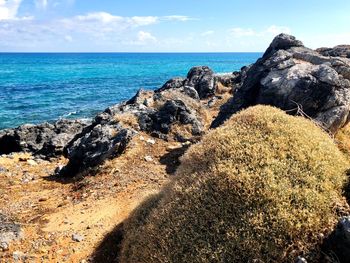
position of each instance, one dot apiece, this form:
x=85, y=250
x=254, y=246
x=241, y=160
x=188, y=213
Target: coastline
x=72, y=185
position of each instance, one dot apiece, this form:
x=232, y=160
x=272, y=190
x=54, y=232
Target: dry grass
x=343, y=139
x=128, y=119
x=262, y=188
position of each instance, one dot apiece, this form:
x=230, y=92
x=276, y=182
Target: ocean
x=39, y=87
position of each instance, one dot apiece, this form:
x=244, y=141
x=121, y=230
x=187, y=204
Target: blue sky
x=168, y=26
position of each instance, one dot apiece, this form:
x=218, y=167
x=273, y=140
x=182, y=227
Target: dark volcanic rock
x=173, y=111
x=337, y=245
x=174, y=83
x=296, y=79
x=105, y=138
x=202, y=80
x=43, y=139
x=199, y=84
x=337, y=51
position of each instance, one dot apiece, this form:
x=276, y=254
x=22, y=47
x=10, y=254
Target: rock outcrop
x=296, y=79
x=47, y=140
x=337, y=51
x=200, y=79
x=337, y=245
x=105, y=138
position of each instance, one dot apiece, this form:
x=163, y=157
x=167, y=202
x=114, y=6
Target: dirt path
x=50, y=211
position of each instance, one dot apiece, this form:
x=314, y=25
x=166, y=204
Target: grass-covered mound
x=262, y=188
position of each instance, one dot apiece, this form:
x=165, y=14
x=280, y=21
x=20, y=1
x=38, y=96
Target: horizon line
x=127, y=52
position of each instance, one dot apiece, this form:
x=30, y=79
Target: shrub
x=262, y=188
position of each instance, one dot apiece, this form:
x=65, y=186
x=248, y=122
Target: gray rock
x=202, y=79
x=337, y=51
x=104, y=139
x=4, y=246
x=77, y=237
x=18, y=256
x=199, y=84
x=174, y=83
x=173, y=111
x=296, y=79
x=43, y=139
x=229, y=79
x=9, y=232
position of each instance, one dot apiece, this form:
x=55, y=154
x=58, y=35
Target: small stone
x=148, y=158
x=4, y=246
x=142, y=138
x=32, y=162
x=18, y=255
x=77, y=238
x=151, y=141
x=301, y=260
x=173, y=147
x=58, y=169
x=42, y=199
x=186, y=143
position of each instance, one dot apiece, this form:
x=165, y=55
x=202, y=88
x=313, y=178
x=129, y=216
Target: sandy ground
x=51, y=210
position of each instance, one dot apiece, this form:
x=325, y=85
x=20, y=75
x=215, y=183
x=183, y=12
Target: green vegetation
x=264, y=187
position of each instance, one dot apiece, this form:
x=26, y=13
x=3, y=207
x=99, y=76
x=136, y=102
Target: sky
x=168, y=26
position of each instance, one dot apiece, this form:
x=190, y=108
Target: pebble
x=151, y=141
x=77, y=238
x=32, y=162
x=142, y=138
x=148, y=158
x=18, y=255
x=301, y=260
x=173, y=147
x=4, y=246
x=3, y=169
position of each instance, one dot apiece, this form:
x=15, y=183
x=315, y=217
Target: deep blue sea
x=39, y=87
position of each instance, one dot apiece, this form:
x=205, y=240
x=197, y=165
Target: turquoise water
x=38, y=87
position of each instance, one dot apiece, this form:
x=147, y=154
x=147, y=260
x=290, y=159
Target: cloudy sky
x=168, y=26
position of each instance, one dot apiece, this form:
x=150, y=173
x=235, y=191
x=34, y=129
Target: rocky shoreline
x=301, y=81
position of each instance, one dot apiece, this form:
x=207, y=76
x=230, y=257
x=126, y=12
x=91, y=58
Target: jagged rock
x=142, y=97
x=174, y=83
x=199, y=84
x=202, y=80
x=43, y=139
x=337, y=245
x=295, y=78
x=229, y=79
x=102, y=140
x=173, y=111
x=337, y=51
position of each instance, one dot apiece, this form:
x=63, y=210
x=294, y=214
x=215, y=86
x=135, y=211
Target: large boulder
x=47, y=140
x=199, y=84
x=337, y=51
x=297, y=80
x=171, y=112
x=105, y=138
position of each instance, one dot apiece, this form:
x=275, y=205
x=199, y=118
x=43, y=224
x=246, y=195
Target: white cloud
x=143, y=36
x=178, y=18
x=242, y=32
x=272, y=30
x=9, y=8
x=207, y=33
